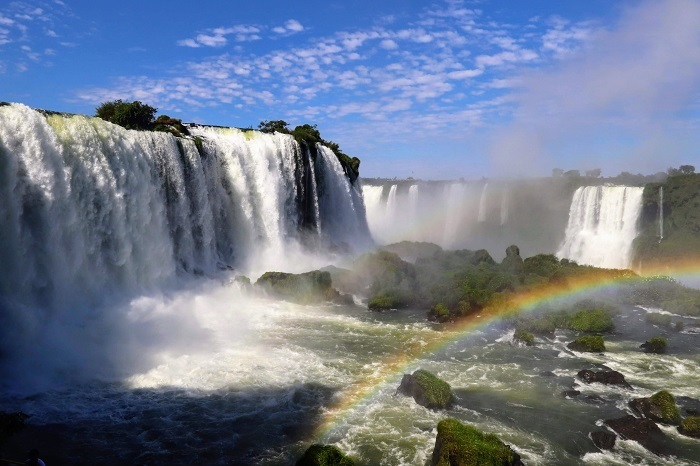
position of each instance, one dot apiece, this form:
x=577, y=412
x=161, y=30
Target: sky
x=427, y=89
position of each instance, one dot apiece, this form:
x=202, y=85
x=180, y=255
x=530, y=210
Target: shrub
x=525, y=337
x=130, y=115
x=464, y=445
x=593, y=320
x=588, y=343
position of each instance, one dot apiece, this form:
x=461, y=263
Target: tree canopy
x=130, y=115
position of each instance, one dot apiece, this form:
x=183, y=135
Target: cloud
x=218, y=37
x=290, y=27
x=630, y=86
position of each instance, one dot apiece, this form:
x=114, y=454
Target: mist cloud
x=621, y=101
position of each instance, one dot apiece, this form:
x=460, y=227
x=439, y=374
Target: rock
x=324, y=455
x=661, y=407
x=524, y=337
x=570, y=393
x=411, y=251
x=512, y=263
x=655, y=345
x=603, y=439
x=459, y=444
x=547, y=374
x=690, y=426
x=604, y=377
x=688, y=405
x=304, y=288
x=643, y=431
x=427, y=389
x=588, y=344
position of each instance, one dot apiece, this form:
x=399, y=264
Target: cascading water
x=92, y=212
x=482, y=204
x=661, y=213
x=504, y=207
x=602, y=225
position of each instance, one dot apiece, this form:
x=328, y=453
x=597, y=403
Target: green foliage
x=662, y=320
x=588, y=343
x=304, y=288
x=170, y=125
x=655, y=345
x=130, y=115
x=524, y=337
x=463, y=445
x=438, y=393
x=324, y=455
x=666, y=293
x=279, y=126
x=386, y=302
x=666, y=404
x=690, y=426
x=593, y=320
x=439, y=313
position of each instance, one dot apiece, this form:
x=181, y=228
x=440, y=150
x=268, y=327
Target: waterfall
x=482, y=204
x=504, y=206
x=661, y=213
x=90, y=208
x=602, y=225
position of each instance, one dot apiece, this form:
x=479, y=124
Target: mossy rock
x=661, y=407
x=524, y=337
x=459, y=444
x=427, y=389
x=386, y=302
x=439, y=313
x=324, y=455
x=304, y=288
x=654, y=345
x=591, y=320
x=588, y=344
x=690, y=426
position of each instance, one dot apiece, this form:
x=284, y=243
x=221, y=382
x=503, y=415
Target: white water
x=93, y=214
x=661, y=213
x=602, y=225
x=482, y=203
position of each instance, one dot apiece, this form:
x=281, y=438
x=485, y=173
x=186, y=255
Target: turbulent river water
x=235, y=379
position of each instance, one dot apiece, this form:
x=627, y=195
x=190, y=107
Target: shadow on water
x=175, y=426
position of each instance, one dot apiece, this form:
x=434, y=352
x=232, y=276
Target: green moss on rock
x=690, y=426
x=667, y=406
x=591, y=320
x=459, y=444
x=654, y=345
x=324, y=455
x=524, y=337
x=427, y=389
x=588, y=344
x=304, y=288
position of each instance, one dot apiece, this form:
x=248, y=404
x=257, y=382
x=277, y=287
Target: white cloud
x=388, y=44
x=292, y=26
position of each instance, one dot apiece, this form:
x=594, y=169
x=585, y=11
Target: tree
x=686, y=169
x=572, y=173
x=130, y=115
x=557, y=172
x=272, y=126
x=595, y=173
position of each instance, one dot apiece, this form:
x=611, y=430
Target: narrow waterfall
x=90, y=208
x=602, y=225
x=661, y=213
x=504, y=206
x=482, y=205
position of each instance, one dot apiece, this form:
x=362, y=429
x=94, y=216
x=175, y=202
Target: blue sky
x=429, y=89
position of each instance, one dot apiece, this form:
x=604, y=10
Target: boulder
x=304, y=288
x=427, y=389
x=526, y=338
x=643, y=431
x=603, y=439
x=459, y=444
x=604, y=377
x=661, y=407
x=324, y=455
x=655, y=345
x=588, y=344
x=690, y=426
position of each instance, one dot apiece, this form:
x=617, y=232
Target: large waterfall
x=90, y=211
x=602, y=225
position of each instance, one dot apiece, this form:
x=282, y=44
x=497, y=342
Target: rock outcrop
x=660, y=407
x=604, y=377
x=643, y=431
x=459, y=444
x=324, y=455
x=427, y=389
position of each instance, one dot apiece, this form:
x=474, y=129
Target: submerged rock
x=655, y=345
x=604, y=377
x=661, y=407
x=690, y=426
x=324, y=455
x=603, y=439
x=643, y=431
x=588, y=344
x=427, y=389
x=459, y=444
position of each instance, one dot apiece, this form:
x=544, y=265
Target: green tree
x=130, y=115
x=272, y=126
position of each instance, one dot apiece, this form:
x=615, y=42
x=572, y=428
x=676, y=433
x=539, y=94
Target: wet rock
x=571, y=393
x=427, y=389
x=690, y=426
x=604, y=377
x=463, y=445
x=643, y=431
x=603, y=439
x=324, y=455
x=547, y=374
x=661, y=407
x=688, y=405
x=655, y=345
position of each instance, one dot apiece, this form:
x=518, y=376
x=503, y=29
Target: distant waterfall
x=87, y=207
x=504, y=207
x=482, y=204
x=602, y=225
x=661, y=213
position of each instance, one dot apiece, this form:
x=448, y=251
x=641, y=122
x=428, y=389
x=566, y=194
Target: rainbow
x=520, y=303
